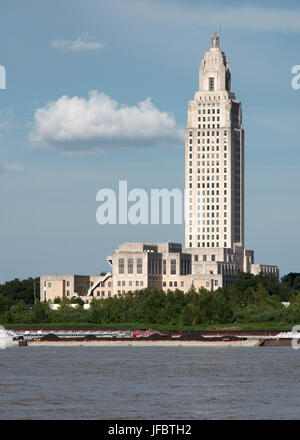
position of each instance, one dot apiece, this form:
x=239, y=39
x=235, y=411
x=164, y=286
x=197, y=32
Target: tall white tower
x=214, y=158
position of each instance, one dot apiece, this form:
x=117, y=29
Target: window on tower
x=211, y=84
x=121, y=265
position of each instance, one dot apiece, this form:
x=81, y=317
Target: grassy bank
x=133, y=326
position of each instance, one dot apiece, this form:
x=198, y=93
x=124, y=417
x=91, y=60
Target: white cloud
x=85, y=43
x=99, y=123
x=6, y=116
x=11, y=168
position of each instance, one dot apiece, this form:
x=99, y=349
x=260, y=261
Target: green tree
x=296, y=284
x=260, y=296
x=77, y=300
x=5, y=303
x=20, y=290
x=190, y=315
x=42, y=312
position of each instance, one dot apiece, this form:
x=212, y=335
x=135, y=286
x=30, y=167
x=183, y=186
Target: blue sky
x=127, y=51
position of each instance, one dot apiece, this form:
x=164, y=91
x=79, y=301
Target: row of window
x=202, y=208
x=212, y=133
x=209, y=177
x=207, y=237
x=208, y=193
x=213, y=119
x=207, y=140
x=207, y=148
x=207, y=200
x=154, y=266
x=208, y=112
x=208, y=185
x=213, y=230
x=204, y=177
x=98, y=293
x=49, y=284
x=213, y=244
x=208, y=207
x=203, y=184
x=208, y=156
x=209, y=98
x=205, y=257
x=102, y=293
x=209, y=126
x=131, y=283
x=197, y=231
x=173, y=284
x=206, y=219
x=206, y=163
x=205, y=215
x=207, y=222
x=130, y=265
x=208, y=170
x=206, y=159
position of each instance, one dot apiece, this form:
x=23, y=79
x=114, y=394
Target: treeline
x=251, y=299
x=12, y=292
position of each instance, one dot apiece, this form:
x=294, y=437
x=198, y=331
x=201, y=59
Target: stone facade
x=214, y=158
x=214, y=175
x=165, y=266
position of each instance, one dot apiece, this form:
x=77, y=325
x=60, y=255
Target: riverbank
x=148, y=343
x=249, y=342
x=236, y=327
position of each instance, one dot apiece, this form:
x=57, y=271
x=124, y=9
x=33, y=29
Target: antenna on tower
x=220, y=29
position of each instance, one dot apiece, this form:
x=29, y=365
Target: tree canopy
x=249, y=299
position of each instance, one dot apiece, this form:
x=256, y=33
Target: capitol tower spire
x=214, y=171
x=214, y=74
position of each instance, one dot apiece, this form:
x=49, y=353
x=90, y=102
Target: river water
x=149, y=383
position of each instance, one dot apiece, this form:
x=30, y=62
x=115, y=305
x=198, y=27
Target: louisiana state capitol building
x=214, y=174
x=214, y=252
x=214, y=158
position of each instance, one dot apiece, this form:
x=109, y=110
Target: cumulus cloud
x=11, y=168
x=77, y=124
x=84, y=43
x=6, y=116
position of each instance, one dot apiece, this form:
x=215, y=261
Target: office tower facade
x=214, y=158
